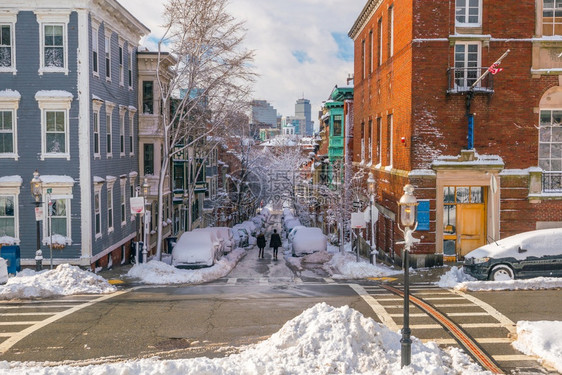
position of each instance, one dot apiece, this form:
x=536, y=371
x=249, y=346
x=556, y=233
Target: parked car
x=308, y=241
x=524, y=255
x=294, y=231
x=243, y=235
x=289, y=225
x=224, y=235
x=195, y=249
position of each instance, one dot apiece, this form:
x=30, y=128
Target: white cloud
x=278, y=29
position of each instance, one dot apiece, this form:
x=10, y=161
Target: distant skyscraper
x=302, y=110
x=263, y=114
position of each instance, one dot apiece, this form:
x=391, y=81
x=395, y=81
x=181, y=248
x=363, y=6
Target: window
x=467, y=62
x=108, y=133
x=53, y=46
x=53, y=41
x=362, y=142
x=391, y=31
x=148, y=97
x=59, y=217
x=121, y=71
x=148, y=159
x=467, y=13
x=389, y=140
x=379, y=29
x=131, y=134
x=109, y=209
x=371, y=50
x=55, y=132
x=130, y=68
x=550, y=140
x=55, y=106
x=97, y=213
x=108, y=58
x=123, y=201
x=96, y=133
x=552, y=17
x=379, y=139
x=370, y=136
x=95, y=49
x=6, y=132
x=122, y=132
x=364, y=57
x=8, y=216
x=337, y=126
x=7, y=55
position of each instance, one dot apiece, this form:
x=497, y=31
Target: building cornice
x=368, y=10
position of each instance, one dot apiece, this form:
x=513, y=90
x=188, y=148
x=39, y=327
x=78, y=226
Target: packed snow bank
x=541, y=339
x=322, y=340
x=155, y=272
x=346, y=267
x=61, y=281
x=458, y=280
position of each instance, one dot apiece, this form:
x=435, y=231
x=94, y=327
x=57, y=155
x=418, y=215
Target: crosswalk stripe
x=28, y=314
x=232, y=280
x=329, y=280
x=483, y=340
x=513, y=357
x=19, y=323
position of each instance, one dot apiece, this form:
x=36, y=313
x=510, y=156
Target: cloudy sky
x=301, y=46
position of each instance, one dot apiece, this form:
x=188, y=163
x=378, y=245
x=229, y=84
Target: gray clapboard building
x=68, y=109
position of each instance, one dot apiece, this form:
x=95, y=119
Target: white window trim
x=130, y=63
x=132, y=182
x=550, y=158
x=122, y=138
x=10, y=19
x=54, y=101
x=391, y=140
x=110, y=210
x=61, y=188
x=478, y=63
x=121, y=47
x=97, y=192
x=380, y=28
x=107, y=37
x=391, y=32
x=96, y=48
x=109, y=106
x=52, y=18
x=96, y=107
x=123, y=196
x=468, y=24
x=9, y=101
x=11, y=186
x=132, y=131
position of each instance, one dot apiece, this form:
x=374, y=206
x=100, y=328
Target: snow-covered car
x=195, y=249
x=224, y=235
x=250, y=227
x=289, y=225
x=294, y=231
x=524, y=255
x=214, y=236
x=308, y=241
x=243, y=235
x=258, y=221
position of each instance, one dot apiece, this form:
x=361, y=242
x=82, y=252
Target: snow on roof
x=45, y=94
x=56, y=179
x=132, y=108
x=133, y=174
x=479, y=160
x=95, y=97
x=8, y=93
x=421, y=172
x=98, y=180
x=11, y=180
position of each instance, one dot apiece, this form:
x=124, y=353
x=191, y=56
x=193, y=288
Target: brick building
x=416, y=67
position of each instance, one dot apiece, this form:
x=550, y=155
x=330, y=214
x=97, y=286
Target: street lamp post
x=145, y=192
x=36, y=192
x=371, y=188
x=408, y=209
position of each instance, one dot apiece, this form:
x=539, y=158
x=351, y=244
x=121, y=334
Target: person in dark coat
x=275, y=243
x=260, y=239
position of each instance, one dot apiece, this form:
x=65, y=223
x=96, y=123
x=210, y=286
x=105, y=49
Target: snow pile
x=455, y=278
x=318, y=257
x=541, y=339
x=61, y=281
x=346, y=267
x=322, y=340
x=155, y=272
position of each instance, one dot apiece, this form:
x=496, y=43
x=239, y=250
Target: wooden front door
x=471, y=227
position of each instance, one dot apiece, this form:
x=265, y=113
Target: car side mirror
x=520, y=250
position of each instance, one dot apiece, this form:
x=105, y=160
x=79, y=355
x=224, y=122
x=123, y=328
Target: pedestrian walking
x=261, y=242
x=275, y=243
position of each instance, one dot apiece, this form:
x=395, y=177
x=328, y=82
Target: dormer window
x=468, y=13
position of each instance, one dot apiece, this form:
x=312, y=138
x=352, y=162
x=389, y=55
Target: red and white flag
x=494, y=68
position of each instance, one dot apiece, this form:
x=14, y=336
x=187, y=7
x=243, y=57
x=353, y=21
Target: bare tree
x=208, y=77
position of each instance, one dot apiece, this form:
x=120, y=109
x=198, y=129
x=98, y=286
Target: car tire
x=501, y=272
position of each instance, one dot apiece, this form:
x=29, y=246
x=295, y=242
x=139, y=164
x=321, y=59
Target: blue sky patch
x=345, y=46
x=302, y=57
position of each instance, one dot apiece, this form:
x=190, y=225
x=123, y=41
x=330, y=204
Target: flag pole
x=470, y=95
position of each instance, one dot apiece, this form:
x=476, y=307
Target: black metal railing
x=552, y=182
x=461, y=79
